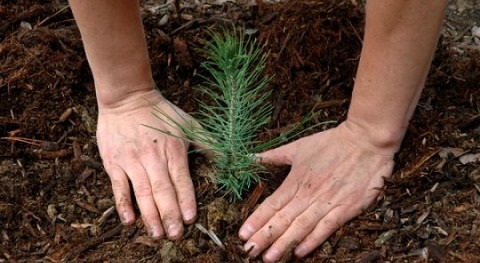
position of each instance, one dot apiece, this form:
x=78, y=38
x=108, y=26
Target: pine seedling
x=237, y=110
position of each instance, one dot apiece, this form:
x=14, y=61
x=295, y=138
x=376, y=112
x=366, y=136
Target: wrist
x=120, y=83
x=119, y=79
x=113, y=96
x=378, y=139
x=131, y=100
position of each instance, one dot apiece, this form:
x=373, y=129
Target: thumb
x=281, y=155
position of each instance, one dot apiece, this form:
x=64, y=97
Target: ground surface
x=55, y=198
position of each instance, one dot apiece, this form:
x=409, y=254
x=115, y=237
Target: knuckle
x=129, y=150
x=150, y=146
x=117, y=185
x=170, y=216
x=182, y=178
x=122, y=201
x=273, y=203
x=177, y=146
x=284, y=219
x=142, y=190
x=172, y=143
x=330, y=225
x=161, y=187
x=304, y=222
x=267, y=236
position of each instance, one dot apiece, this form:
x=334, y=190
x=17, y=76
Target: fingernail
x=189, y=215
x=300, y=251
x=249, y=247
x=245, y=232
x=126, y=219
x=272, y=255
x=174, y=230
x=154, y=232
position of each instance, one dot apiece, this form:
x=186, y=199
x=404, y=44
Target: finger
x=274, y=203
x=280, y=155
x=143, y=193
x=301, y=227
x=180, y=176
x=164, y=194
x=279, y=223
x=327, y=226
x=121, y=192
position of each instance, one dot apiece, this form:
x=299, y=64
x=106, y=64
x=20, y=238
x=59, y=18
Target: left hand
x=154, y=164
x=334, y=175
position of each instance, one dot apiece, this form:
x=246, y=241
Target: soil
x=55, y=198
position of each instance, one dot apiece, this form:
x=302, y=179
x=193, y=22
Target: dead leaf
x=446, y=152
x=469, y=158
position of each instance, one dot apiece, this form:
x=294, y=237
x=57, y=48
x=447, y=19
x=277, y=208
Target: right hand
x=334, y=176
x=155, y=163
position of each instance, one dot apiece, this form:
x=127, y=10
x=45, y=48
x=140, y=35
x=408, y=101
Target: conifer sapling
x=228, y=126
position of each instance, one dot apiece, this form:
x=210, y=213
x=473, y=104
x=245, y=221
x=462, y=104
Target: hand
x=334, y=176
x=155, y=164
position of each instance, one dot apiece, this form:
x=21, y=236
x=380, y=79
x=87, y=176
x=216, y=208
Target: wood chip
x=434, y=187
x=417, y=164
x=182, y=54
x=65, y=115
x=452, y=236
x=87, y=172
x=440, y=230
x=212, y=235
x=105, y=215
x=422, y=217
x=253, y=199
x=384, y=237
x=87, y=206
x=52, y=154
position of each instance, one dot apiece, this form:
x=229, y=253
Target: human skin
x=337, y=173
x=154, y=163
x=334, y=174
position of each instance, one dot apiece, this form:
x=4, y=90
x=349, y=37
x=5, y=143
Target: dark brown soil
x=55, y=198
